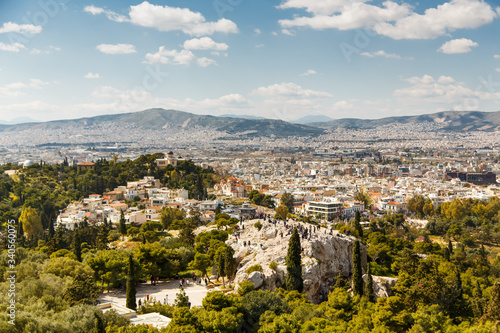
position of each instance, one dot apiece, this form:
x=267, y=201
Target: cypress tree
x=77, y=245
x=369, y=285
x=450, y=246
x=99, y=324
x=123, y=227
x=20, y=232
x=131, y=302
x=51, y=228
x=293, y=279
x=357, y=273
x=357, y=224
x=447, y=253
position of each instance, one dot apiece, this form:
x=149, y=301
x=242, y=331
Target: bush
x=245, y=287
x=114, y=235
x=273, y=265
x=254, y=268
x=258, y=225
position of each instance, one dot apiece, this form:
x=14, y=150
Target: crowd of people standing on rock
x=306, y=231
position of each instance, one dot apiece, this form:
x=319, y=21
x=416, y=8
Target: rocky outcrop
x=324, y=254
x=382, y=285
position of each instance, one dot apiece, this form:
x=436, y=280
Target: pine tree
x=477, y=301
x=123, y=226
x=77, y=245
x=493, y=311
x=131, y=302
x=357, y=273
x=357, y=224
x=340, y=281
x=293, y=279
x=450, y=247
x=369, y=285
x=181, y=299
x=224, y=262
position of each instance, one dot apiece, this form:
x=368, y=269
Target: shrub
x=258, y=225
x=254, y=268
x=245, y=287
x=273, y=265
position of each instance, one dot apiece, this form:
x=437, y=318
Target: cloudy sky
x=273, y=58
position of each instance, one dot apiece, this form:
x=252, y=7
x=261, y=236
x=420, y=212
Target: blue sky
x=278, y=59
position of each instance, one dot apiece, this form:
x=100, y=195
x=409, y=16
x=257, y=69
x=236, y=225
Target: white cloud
x=288, y=89
x=14, y=89
x=47, y=51
x=259, y=45
x=257, y=31
x=380, y=53
x=116, y=48
x=462, y=45
x=204, y=43
x=443, y=90
x=165, y=18
x=15, y=47
x=343, y=14
x=91, y=76
x=136, y=99
x=205, y=62
x=496, y=56
x=435, y=22
x=20, y=28
x=109, y=14
x=183, y=57
x=287, y=32
x=342, y=106
x=497, y=69
x=309, y=72
x=397, y=21
x=37, y=83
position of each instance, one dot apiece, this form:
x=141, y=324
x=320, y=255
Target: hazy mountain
x=312, y=119
x=164, y=119
x=240, y=116
x=20, y=120
x=451, y=121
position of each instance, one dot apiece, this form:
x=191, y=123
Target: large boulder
x=257, y=278
x=324, y=255
x=382, y=285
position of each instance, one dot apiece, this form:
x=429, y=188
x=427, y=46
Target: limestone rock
x=382, y=285
x=257, y=278
x=324, y=255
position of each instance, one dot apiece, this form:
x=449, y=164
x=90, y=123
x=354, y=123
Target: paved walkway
x=164, y=289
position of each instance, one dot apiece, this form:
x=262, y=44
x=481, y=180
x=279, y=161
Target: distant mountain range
x=161, y=119
x=20, y=120
x=312, y=119
x=240, y=116
x=450, y=120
